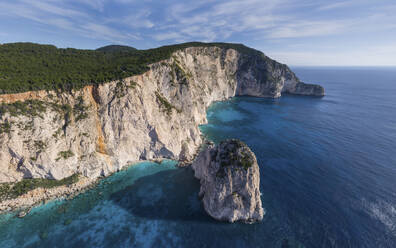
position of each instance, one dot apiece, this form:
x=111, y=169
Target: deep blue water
x=328, y=178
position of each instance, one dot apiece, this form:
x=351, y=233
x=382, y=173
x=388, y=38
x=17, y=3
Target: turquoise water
x=126, y=209
x=328, y=178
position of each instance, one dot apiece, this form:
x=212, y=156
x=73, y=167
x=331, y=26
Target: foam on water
x=383, y=212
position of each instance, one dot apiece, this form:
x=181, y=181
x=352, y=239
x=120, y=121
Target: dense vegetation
x=116, y=48
x=12, y=190
x=235, y=152
x=28, y=66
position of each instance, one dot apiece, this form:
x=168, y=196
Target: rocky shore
x=42, y=195
x=98, y=130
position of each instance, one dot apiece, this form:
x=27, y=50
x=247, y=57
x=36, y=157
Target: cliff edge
x=97, y=130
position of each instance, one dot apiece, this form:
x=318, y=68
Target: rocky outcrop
x=230, y=182
x=308, y=89
x=99, y=129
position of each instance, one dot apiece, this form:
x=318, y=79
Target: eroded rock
x=98, y=130
x=230, y=182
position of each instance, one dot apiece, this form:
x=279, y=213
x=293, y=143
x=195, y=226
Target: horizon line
x=266, y=54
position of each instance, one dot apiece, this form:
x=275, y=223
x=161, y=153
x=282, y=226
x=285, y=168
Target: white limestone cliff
x=98, y=130
x=230, y=182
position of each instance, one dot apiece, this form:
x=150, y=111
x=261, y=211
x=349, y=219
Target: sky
x=295, y=32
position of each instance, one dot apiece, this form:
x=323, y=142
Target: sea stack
x=230, y=182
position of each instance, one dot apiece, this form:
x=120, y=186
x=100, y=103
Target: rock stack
x=230, y=182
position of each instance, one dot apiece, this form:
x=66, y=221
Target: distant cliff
x=96, y=130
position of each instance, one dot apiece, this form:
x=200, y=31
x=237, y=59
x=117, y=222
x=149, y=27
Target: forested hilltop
x=29, y=66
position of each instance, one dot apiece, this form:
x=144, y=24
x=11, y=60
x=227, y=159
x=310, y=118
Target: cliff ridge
x=97, y=130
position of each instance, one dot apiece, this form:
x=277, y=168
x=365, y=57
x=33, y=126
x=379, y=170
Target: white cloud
x=336, y=5
x=253, y=21
x=125, y=1
x=95, y=4
x=218, y=20
x=101, y=30
x=308, y=29
x=38, y=11
x=61, y=23
x=167, y=36
x=59, y=15
x=380, y=55
x=139, y=19
x=52, y=8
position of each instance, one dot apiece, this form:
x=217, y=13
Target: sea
x=327, y=170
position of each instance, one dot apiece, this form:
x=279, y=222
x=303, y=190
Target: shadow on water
x=167, y=195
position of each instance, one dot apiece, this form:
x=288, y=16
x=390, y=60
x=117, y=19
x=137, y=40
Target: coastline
x=41, y=196
x=146, y=117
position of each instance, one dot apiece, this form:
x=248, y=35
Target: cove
x=327, y=169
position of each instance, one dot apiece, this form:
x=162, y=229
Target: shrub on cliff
x=12, y=190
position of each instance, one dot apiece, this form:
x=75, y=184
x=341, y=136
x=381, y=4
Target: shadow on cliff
x=170, y=195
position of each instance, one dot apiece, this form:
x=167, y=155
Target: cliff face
x=230, y=182
x=98, y=130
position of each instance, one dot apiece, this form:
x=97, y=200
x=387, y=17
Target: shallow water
x=328, y=178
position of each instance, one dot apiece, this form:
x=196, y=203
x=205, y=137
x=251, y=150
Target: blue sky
x=296, y=32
